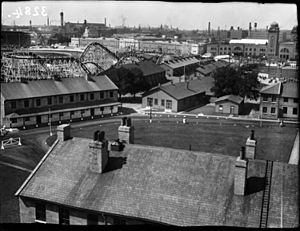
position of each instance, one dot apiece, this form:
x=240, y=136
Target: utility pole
x=50, y=123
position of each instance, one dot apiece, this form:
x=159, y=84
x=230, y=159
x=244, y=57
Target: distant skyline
x=183, y=15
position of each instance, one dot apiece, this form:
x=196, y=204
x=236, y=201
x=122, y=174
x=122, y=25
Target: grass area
x=273, y=143
x=9, y=184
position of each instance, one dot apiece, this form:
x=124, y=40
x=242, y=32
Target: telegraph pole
x=50, y=123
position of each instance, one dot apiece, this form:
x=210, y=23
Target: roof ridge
x=36, y=167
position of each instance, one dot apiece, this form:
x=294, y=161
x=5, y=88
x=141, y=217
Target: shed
x=229, y=104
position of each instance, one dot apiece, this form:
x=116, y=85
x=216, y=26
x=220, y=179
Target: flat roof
x=249, y=41
x=165, y=185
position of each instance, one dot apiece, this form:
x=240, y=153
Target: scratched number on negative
x=35, y=11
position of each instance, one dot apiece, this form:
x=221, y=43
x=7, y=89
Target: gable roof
x=183, y=90
x=233, y=98
x=165, y=185
x=42, y=88
x=147, y=67
x=271, y=89
x=181, y=62
x=290, y=89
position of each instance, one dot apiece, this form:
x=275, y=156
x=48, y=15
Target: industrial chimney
x=48, y=23
x=208, y=28
x=61, y=19
x=30, y=24
x=255, y=25
x=105, y=22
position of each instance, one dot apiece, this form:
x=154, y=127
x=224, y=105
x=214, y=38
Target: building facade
x=280, y=100
x=41, y=102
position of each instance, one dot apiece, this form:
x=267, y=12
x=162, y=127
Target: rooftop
x=249, y=41
x=165, y=185
x=183, y=90
x=271, y=89
x=42, y=88
x=181, y=62
x=147, y=67
x=290, y=89
x=233, y=98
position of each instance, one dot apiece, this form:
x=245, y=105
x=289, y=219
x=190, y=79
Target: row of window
x=60, y=99
x=284, y=110
x=273, y=99
x=63, y=215
x=164, y=103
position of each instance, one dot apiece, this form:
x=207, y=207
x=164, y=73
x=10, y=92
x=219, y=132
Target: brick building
x=69, y=99
x=280, y=100
x=82, y=181
x=177, y=97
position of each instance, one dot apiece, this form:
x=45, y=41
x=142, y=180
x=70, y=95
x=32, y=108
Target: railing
x=10, y=142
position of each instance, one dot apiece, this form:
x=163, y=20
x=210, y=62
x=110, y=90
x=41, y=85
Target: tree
x=137, y=82
x=242, y=82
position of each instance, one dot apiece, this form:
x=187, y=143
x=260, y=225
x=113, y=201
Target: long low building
x=33, y=103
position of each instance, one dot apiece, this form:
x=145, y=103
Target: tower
x=273, y=40
x=61, y=19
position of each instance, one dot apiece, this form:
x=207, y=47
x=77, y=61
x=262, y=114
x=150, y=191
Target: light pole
x=50, y=123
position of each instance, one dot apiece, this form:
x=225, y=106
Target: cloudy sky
x=183, y=15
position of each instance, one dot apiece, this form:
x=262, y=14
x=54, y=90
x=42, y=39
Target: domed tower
x=273, y=40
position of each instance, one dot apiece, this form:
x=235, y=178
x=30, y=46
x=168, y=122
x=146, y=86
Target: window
x=14, y=120
x=102, y=109
x=60, y=99
x=27, y=119
x=168, y=104
x=163, y=102
x=155, y=101
x=61, y=114
x=81, y=97
x=265, y=98
x=38, y=102
x=49, y=100
x=284, y=110
x=273, y=98
x=82, y=112
x=265, y=109
x=40, y=212
x=273, y=110
x=71, y=98
x=101, y=95
x=92, y=219
x=220, y=108
x=26, y=103
x=285, y=99
x=295, y=111
x=149, y=102
x=111, y=94
x=295, y=100
x=92, y=96
x=13, y=104
x=64, y=217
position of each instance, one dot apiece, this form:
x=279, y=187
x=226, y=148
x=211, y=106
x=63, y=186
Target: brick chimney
x=251, y=146
x=63, y=132
x=98, y=152
x=126, y=131
x=240, y=173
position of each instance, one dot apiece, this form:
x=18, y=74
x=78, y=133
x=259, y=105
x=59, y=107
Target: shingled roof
x=42, y=88
x=164, y=185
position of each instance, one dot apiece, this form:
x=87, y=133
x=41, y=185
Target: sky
x=193, y=15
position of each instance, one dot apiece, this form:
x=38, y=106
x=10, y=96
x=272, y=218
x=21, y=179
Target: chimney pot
x=126, y=131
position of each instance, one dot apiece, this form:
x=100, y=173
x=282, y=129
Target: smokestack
x=209, y=28
x=105, y=22
x=250, y=26
x=240, y=173
x=61, y=19
x=30, y=24
x=98, y=152
x=126, y=131
x=48, y=22
x=251, y=146
x=255, y=25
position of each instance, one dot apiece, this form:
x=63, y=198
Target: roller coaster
x=95, y=59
